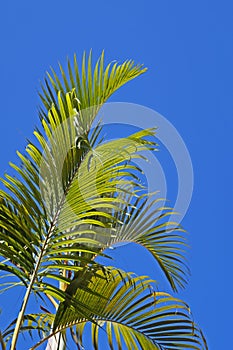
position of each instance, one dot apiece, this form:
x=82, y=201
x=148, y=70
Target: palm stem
x=25, y=300
x=30, y=286
x=22, y=311
x=2, y=342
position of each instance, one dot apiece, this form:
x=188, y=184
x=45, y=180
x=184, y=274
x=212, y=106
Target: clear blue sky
x=188, y=47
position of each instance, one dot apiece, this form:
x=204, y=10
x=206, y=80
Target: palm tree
x=74, y=195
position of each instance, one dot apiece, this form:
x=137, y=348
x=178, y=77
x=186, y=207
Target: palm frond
x=92, y=86
x=45, y=217
x=40, y=323
x=147, y=222
x=132, y=314
x=35, y=207
x=72, y=196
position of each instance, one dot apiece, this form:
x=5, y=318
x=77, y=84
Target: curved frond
x=55, y=218
x=73, y=195
x=92, y=85
x=42, y=211
x=40, y=323
x=147, y=222
x=133, y=315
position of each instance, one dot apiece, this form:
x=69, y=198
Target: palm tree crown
x=73, y=195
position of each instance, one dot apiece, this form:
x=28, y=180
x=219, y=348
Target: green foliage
x=72, y=197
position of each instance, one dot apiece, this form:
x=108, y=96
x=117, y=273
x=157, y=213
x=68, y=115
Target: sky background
x=188, y=48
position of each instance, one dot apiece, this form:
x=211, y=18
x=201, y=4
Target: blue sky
x=188, y=48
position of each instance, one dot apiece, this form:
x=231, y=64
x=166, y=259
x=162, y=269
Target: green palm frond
x=147, y=222
x=131, y=314
x=40, y=323
x=92, y=85
x=72, y=196
x=48, y=206
x=35, y=207
x=142, y=219
x=40, y=238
